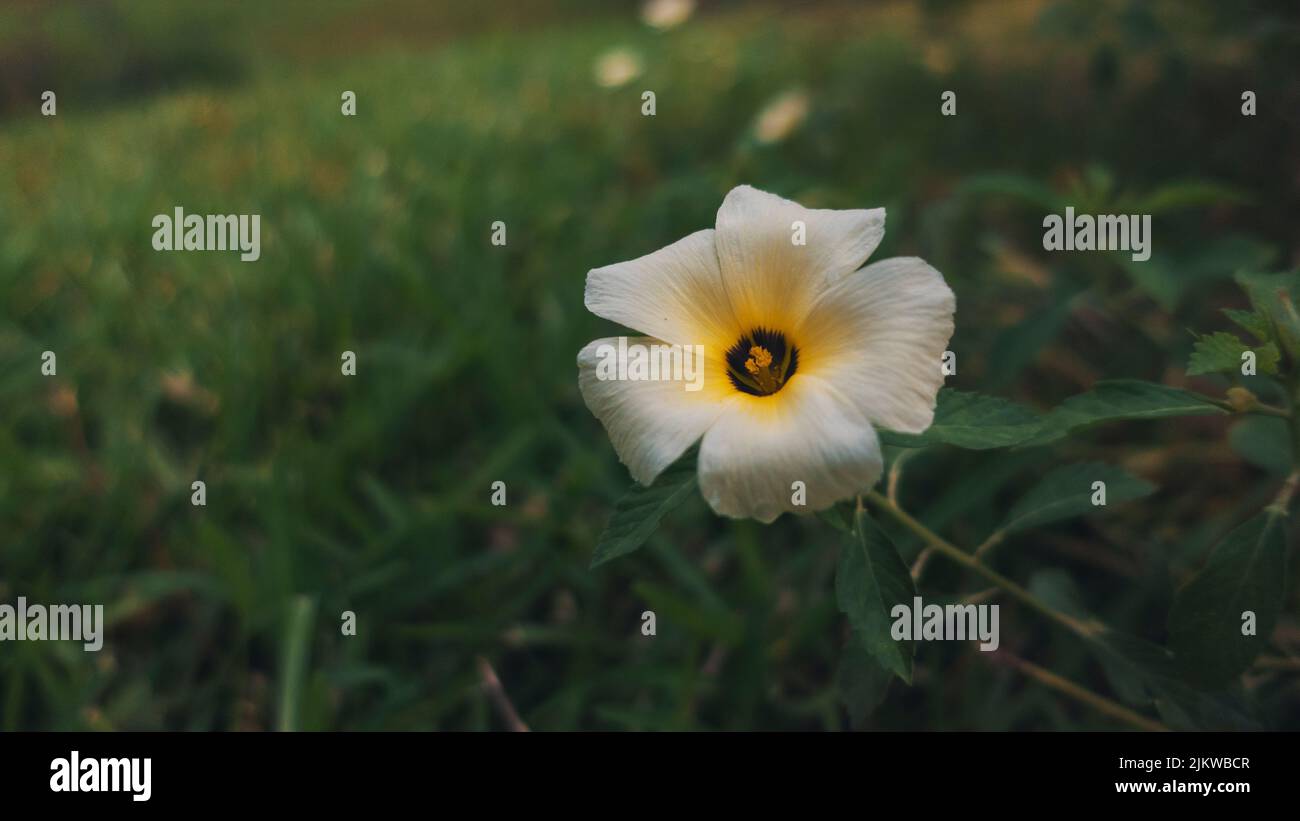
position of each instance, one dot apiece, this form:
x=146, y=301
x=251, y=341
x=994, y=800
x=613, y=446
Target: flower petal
x=674, y=294
x=879, y=336
x=770, y=279
x=652, y=423
x=808, y=432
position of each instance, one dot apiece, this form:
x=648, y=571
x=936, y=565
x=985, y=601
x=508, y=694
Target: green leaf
x=862, y=681
x=1250, y=322
x=838, y=516
x=1019, y=345
x=1067, y=492
x=1170, y=276
x=870, y=581
x=1158, y=277
x=1263, y=289
x=295, y=659
x=1183, y=194
x=1026, y=189
x=1119, y=399
x=971, y=420
x=1246, y=572
x=1144, y=673
x=694, y=616
x=1058, y=588
x=1272, y=297
x=1263, y=441
x=638, y=513
x=1141, y=673
x=1222, y=352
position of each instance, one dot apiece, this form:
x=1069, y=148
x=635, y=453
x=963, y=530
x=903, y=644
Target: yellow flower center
x=761, y=362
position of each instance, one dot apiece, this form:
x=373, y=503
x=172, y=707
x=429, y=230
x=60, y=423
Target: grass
x=370, y=494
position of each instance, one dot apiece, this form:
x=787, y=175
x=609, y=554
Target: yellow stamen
x=760, y=365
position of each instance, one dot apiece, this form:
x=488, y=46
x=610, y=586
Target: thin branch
x=1081, y=694
x=1085, y=629
x=1277, y=663
x=895, y=474
x=980, y=596
x=995, y=538
x=497, y=694
x=922, y=559
x=1282, y=502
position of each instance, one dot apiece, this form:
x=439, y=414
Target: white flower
x=665, y=14
x=806, y=351
x=781, y=117
x=617, y=67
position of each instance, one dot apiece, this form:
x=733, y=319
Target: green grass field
x=371, y=494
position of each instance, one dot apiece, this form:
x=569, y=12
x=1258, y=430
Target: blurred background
x=371, y=493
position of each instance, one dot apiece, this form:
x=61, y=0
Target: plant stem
x=1293, y=426
x=497, y=693
x=1254, y=407
x=995, y=538
x=1085, y=629
x=1281, y=504
x=1270, y=410
x=1081, y=694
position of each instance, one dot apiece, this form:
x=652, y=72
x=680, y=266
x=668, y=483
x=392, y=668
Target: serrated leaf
x=973, y=421
x=1272, y=295
x=1122, y=399
x=1263, y=289
x=1246, y=572
x=639, y=512
x=870, y=581
x=862, y=681
x=1067, y=492
x=1222, y=352
x=1249, y=321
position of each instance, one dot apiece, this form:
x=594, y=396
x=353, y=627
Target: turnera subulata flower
x=805, y=353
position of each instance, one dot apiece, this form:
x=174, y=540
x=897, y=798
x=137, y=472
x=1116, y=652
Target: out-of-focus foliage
x=372, y=493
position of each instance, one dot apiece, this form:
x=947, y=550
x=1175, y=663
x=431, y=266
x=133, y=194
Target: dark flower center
x=761, y=362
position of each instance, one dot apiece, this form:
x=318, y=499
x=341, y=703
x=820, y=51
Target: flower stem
x=1085, y=629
